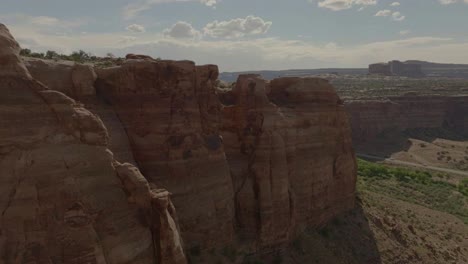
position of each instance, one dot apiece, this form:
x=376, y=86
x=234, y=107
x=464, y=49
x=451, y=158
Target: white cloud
x=337, y=5
x=395, y=4
x=448, y=2
x=44, y=20
x=182, y=30
x=209, y=2
x=239, y=27
x=132, y=10
x=397, y=16
x=247, y=54
x=136, y=28
x=383, y=13
x=404, y=32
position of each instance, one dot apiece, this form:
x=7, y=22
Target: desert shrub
x=463, y=187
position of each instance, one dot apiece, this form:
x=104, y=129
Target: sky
x=242, y=35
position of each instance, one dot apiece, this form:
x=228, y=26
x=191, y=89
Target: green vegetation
x=418, y=187
x=79, y=56
x=463, y=187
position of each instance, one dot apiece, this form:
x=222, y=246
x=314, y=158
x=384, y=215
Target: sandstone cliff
x=371, y=118
x=63, y=197
x=255, y=170
x=292, y=162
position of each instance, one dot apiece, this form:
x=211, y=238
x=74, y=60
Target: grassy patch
x=415, y=187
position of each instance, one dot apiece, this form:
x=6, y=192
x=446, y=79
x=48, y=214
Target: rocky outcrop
x=63, y=198
x=372, y=118
x=73, y=79
x=255, y=170
x=292, y=162
x=259, y=169
x=172, y=124
x=77, y=81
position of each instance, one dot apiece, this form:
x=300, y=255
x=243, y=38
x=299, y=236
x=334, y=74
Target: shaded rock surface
x=252, y=170
x=63, y=197
x=372, y=118
x=292, y=163
x=255, y=170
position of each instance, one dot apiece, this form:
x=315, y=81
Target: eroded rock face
x=253, y=170
x=274, y=159
x=171, y=114
x=63, y=198
x=73, y=79
x=77, y=81
x=292, y=163
x=371, y=118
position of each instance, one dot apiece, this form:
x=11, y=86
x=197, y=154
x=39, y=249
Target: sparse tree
x=50, y=54
x=25, y=52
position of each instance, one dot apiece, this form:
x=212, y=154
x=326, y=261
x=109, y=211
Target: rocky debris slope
x=371, y=118
x=63, y=198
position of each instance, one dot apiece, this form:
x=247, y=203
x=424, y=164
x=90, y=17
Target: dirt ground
x=442, y=153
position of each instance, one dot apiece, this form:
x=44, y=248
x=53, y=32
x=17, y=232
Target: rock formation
x=271, y=160
x=63, y=198
x=292, y=162
x=397, y=68
x=371, y=118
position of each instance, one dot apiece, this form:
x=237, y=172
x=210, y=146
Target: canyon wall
x=253, y=166
x=63, y=197
x=371, y=118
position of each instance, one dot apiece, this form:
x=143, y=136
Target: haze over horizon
x=248, y=35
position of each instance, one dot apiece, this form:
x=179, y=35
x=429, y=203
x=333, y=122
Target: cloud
x=136, y=28
x=247, y=54
x=42, y=22
x=448, y=2
x=182, y=30
x=337, y=5
x=383, y=13
x=209, y=2
x=132, y=10
x=236, y=28
x=395, y=4
x=404, y=32
x=397, y=16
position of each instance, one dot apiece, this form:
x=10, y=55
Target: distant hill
x=431, y=69
x=449, y=70
x=269, y=75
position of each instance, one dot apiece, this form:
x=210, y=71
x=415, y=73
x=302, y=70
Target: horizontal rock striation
x=371, y=118
x=253, y=169
x=292, y=162
x=251, y=166
x=171, y=114
x=63, y=198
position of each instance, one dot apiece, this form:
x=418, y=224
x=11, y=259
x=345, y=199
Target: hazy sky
x=248, y=34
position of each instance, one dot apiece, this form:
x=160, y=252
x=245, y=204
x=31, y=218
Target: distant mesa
x=397, y=68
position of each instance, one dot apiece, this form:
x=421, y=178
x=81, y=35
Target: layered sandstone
x=259, y=169
x=372, y=118
x=292, y=162
x=171, y=115
x=77, y=81
x=256, y=169
x=63, y=198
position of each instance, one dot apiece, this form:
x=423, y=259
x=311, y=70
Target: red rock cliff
x=274, y=159
x=63, y=198
x=371, y=118
x=256, y=170
x=292, y=162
